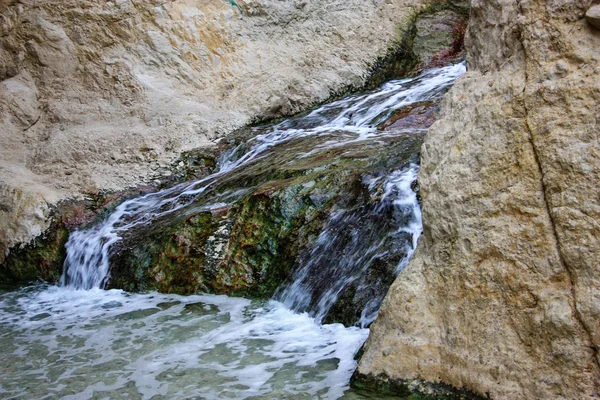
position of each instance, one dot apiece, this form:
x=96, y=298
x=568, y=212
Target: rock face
x=102, y=95
x=503, y=295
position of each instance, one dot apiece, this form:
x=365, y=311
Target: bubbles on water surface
x=59, y=342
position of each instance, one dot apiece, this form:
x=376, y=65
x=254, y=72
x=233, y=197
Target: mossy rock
x=434, y=36
x=40, y=260
x=413, y=389
x=169, y=259
x=249, y=247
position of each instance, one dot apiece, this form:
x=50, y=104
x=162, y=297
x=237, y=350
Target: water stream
x=78, y=341
x=353, y=239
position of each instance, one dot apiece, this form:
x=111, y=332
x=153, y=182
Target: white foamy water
x=63, y=343
x=354, y=254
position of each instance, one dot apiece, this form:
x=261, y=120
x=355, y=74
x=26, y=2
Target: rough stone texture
x=503, y=294
x=593, y=16
x=253, y=246
x=435, y=33
x=99, y=95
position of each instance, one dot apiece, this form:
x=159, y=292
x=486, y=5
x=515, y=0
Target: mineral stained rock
x=503, y=295
x=102, y=95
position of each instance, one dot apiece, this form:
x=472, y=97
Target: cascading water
x=87, y=263
x=351, y=243
x=76, y=341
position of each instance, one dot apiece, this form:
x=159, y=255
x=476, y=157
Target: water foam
x=59, y=342
x=64, y=342
x=339, y=260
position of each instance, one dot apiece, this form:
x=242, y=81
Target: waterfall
x=76, y=341
x=351, y=243
x=87, y=263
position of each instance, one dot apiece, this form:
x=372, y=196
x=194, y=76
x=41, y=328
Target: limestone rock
x=593, y=16
x=503, y=295
x=23, y=214
x=19, y=101
x=94, y=93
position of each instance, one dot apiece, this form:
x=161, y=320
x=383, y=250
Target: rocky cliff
x=102, y=95
x=503, y=295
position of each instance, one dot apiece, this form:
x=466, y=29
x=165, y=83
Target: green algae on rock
x=47, y=264
x=433, y=37
x=251, y=247
x=244, y=231
x=39, y=260
x=414, y=389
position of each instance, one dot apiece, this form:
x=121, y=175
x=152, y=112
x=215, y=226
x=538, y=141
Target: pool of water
x=63, y=343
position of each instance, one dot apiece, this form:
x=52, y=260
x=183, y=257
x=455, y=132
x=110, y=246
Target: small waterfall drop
x=76, y=341
x=352, y=242
x=353, y=119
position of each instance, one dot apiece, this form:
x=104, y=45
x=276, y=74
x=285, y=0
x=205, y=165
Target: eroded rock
x=501, y=297
x=94, y=94
x=251, y=247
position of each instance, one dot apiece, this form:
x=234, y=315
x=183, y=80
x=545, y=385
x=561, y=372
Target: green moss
x=270, y=227
x=408, y=389
x=178, y=267
x=401, y=60
x=168, y=259
x=41, y=259
x=269, y=234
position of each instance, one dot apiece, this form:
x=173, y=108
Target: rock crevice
x=571, y=271
x=552, y=223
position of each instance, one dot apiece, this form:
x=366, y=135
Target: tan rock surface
x=503, y=295
x=101, y=94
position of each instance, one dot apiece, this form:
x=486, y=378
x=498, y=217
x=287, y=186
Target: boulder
x=502, y=297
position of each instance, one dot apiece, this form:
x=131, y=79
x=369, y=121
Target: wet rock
x=436, y=32
x=415, y=116
x=251, y=247
x=23, y=214
x=43, y=258
x=411, y=388
x=434, y=37
x=216, y=245
x=173, y=74
x=40, y=260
